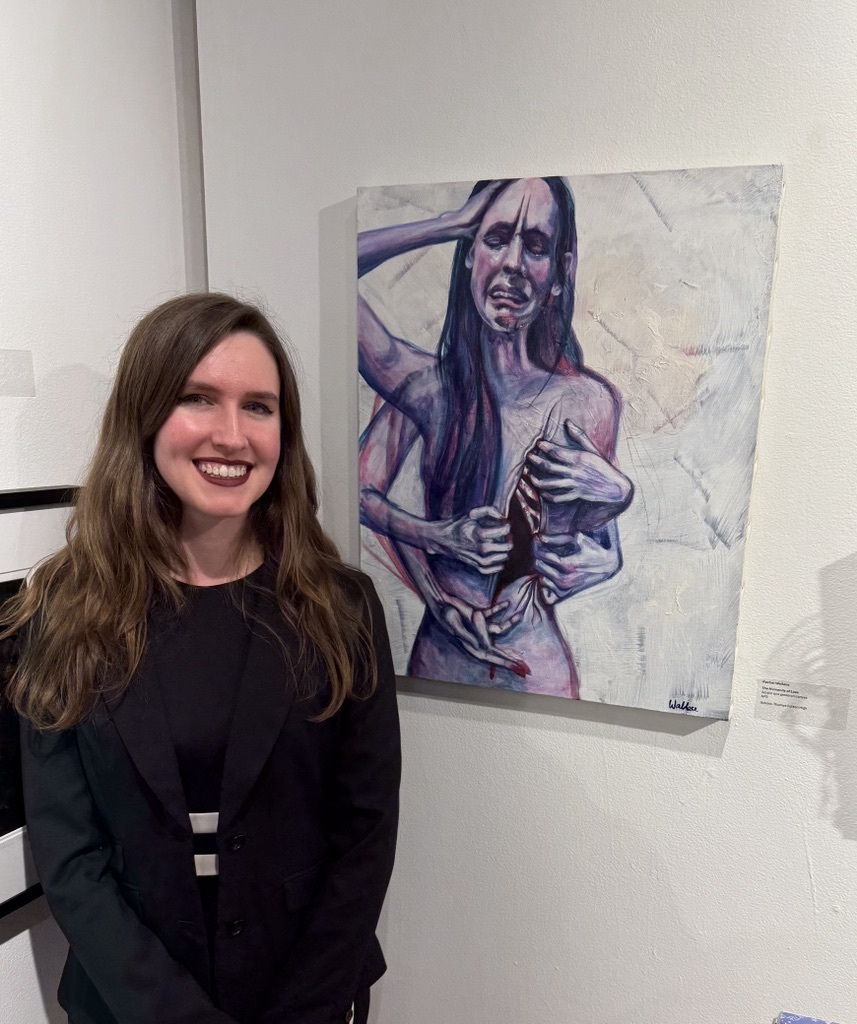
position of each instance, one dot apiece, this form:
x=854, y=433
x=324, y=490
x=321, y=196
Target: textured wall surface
x=90, y=237
x=566, y=862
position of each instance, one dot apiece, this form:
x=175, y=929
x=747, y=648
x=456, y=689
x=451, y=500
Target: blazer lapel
x=139, y=716
x=263, y=702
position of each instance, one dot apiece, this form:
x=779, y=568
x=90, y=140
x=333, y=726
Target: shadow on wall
x=822, y=650
x=338, y=374
x=688, y=733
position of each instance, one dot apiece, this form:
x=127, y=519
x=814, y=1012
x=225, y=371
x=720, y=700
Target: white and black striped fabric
x=204, y=828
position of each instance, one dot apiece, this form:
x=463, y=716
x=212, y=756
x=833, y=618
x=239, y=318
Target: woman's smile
x=224, y=432
x=223, y=474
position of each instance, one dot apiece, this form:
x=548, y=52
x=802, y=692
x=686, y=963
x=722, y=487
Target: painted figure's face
x=219, y=448
x=513, y=272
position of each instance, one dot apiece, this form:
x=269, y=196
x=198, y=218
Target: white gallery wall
x=91, y=215
x=577, y=862
x=91, y=235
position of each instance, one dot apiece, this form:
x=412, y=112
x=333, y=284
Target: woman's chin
x=505, y=321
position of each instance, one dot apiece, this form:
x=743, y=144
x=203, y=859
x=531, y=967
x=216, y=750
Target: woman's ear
x=468, y=259
x=566, y=273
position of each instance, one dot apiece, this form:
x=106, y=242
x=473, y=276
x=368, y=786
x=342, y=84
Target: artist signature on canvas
x=682, y=706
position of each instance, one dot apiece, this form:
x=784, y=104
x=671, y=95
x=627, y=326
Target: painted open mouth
x=502, y=295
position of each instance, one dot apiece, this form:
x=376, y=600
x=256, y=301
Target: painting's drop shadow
x=838, y=585
x=639, y=725
x=822, y=650
x=338, y=374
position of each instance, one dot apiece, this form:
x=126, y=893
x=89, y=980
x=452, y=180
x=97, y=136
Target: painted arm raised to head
x=385, y=361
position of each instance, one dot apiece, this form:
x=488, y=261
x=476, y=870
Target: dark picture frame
x=18, y=884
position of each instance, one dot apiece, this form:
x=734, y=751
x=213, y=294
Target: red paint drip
x=490, y=671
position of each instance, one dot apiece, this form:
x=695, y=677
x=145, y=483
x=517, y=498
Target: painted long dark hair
x=467, y=466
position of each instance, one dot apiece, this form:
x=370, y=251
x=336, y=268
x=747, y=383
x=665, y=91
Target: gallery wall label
x=824, y=707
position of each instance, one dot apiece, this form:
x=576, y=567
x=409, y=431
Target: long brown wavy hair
x=85, y=608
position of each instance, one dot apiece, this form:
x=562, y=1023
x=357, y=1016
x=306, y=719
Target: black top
x=200, y=659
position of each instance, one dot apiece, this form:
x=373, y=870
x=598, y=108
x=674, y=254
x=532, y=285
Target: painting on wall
x=560, y=383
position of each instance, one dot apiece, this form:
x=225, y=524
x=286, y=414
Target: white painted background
x=557, y=862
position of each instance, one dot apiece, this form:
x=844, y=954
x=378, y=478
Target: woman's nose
x=226, y=430
x=514, y=251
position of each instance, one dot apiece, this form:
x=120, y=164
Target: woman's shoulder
x=573, y=386
x=355, y=583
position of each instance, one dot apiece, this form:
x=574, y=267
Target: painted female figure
x=521, y=491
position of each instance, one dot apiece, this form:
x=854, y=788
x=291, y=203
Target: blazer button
x=236, y=927
x=236, y=842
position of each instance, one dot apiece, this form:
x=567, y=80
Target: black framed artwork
x=11, y=807
x=32, y=524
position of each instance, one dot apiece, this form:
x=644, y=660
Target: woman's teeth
x=217, y=469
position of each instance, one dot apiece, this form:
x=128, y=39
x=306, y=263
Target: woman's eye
x=536, y=244
x=192, y=400
x=261, y=408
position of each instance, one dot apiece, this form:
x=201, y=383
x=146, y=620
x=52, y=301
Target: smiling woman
x=219, y=448
x=209, y=737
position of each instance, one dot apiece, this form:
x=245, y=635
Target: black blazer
x=306, y=842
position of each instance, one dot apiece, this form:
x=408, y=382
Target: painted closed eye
x=496, y=239
x=536, y=243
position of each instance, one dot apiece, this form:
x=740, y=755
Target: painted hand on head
x=469, y=217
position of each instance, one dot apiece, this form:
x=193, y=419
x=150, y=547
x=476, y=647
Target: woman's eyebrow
x=537, y=235
x=504, y=227
x=259, y=396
